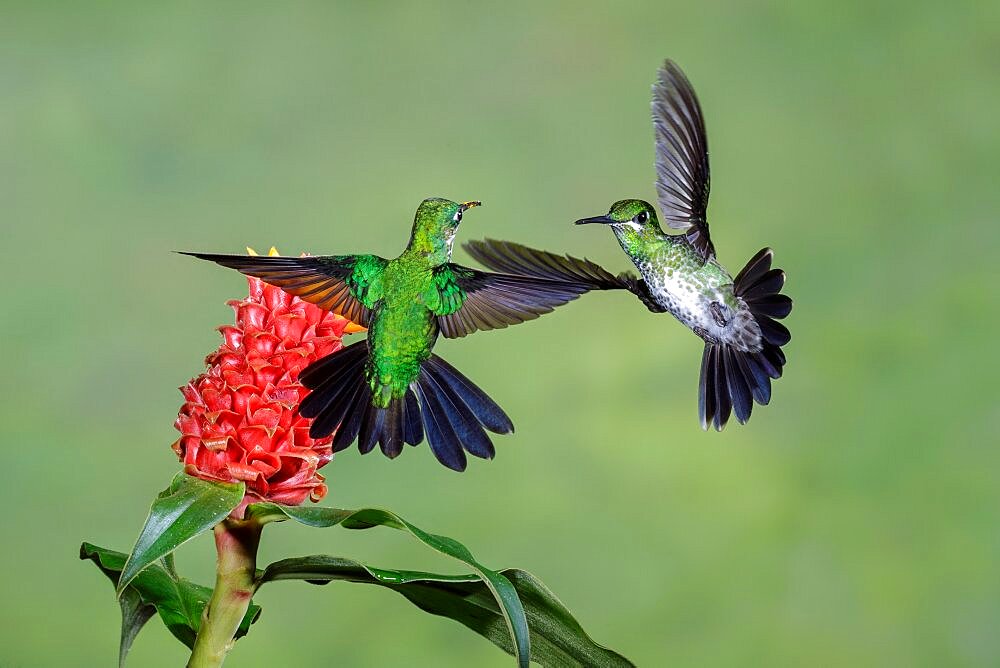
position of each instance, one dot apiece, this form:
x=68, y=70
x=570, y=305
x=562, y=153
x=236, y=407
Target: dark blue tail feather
x=442, y=403
x=731, y=379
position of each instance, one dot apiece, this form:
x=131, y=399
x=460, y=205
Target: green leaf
x=135, y=614
x=499, y=586
x=180, y=512
x=557, y=639
x=156, y=590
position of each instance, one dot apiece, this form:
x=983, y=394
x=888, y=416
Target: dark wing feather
x=682, y=175
x=493, y=301
x=509, y=257
x=342, y=284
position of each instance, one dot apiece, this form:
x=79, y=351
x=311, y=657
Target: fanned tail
x=442, y=403
x=731, y=379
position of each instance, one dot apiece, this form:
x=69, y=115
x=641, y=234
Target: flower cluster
x=240, y=420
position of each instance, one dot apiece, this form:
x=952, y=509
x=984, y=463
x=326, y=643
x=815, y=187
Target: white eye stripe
x=457, y=217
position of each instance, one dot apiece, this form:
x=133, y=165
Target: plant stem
x=236, y=542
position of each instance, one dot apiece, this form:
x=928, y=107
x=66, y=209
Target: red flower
x=240, y=418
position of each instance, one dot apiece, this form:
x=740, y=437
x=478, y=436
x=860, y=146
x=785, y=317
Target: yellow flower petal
x=271, y=253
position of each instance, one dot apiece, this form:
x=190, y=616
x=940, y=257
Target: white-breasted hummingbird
x=736, y=317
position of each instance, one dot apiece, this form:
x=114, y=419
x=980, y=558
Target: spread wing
x=682, y=176
x=468, y=300
x=513, y=258
x=348, y=285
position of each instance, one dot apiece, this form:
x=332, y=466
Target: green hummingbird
x=736, y=317
x=390, y=388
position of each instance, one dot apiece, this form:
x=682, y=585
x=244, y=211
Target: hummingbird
x=680, y=274
x=391, y=388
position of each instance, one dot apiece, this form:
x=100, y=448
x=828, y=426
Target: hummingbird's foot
x=718, y=314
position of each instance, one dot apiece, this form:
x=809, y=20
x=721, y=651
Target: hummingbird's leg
x=718, y=313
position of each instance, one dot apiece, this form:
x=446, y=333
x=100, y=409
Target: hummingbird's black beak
x=465, y=206
x=603, y=220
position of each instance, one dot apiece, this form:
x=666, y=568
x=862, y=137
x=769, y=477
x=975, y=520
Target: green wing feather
x=348, y=285
x=445, y=294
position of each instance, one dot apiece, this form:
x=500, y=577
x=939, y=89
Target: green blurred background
x=852, y=522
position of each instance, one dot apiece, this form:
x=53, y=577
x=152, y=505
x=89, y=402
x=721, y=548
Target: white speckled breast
x=698, y=294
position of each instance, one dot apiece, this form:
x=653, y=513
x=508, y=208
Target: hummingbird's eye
x=642, y=218
x=457, y=217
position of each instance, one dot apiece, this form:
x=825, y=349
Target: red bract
x=240, y=418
